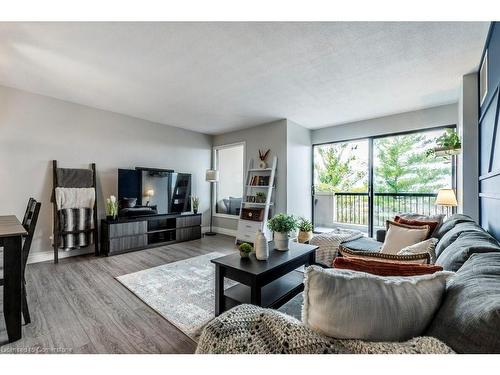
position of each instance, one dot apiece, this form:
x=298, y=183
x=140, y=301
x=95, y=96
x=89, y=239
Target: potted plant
x=111, y=208
x=245, y=249
x=260, y=197
x=305, y=230
x=196, y=203
x=448, y=144
x=282, y=225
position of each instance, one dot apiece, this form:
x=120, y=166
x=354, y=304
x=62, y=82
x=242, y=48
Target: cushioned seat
x=363, y=244
x=469, y=317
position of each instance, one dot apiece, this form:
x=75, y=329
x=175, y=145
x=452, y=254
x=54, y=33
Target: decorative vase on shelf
x=281, y=241
x=262, y=164
x=261, y=247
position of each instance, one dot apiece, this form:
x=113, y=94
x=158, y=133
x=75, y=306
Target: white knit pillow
x=427, y=246
x=355, y=305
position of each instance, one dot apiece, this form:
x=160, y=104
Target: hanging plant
x=449, y=144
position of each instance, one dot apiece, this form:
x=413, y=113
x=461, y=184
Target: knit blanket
x=249, y=329
x=76, y=219
x=329, y=244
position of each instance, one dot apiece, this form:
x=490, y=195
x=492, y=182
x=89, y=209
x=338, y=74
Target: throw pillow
x=426, y=218
x=377, y=267
x=427, y=246
x=401, y=235
x=417, y=223
x=357, y=305
x=421, y=258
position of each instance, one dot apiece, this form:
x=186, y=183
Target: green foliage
x=404, y=166
x=260, y=194
x=282, y=223
x=245, y=248
x=305, y=225
x=448, y=141
x=196, y=202
x=336, y=170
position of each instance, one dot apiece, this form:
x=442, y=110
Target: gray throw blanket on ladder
x=76, y=219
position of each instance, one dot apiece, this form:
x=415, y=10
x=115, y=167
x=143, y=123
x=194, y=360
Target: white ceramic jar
x=261, y=246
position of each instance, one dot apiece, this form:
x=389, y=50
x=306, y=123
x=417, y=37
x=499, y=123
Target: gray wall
x=421, y=119
x=35, y=129
x=299, y=170
x=468, y=160
x=267, y=136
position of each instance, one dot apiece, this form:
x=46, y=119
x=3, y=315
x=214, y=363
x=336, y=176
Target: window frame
x=454, y=166
x=215, y=166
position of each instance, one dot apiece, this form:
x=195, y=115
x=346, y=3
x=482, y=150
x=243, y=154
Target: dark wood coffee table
x=266, y=283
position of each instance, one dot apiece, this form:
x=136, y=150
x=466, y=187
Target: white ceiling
x=216, y=77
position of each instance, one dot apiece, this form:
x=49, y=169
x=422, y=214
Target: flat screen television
x=155, y=191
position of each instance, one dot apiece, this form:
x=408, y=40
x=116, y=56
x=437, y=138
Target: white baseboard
x=44, y=256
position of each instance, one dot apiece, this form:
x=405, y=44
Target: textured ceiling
x=216, y=77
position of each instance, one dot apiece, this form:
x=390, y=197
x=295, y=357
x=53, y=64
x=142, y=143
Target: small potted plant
x=260, y=197
x=282, y=225
x=305, y=230
x=448, y=144
x=196, y=203
x=111, y=208
x=245, y=249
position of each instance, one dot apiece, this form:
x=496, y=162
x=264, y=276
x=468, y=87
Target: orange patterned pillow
x=381, y=268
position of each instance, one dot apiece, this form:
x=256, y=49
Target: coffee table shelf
x=274, y=294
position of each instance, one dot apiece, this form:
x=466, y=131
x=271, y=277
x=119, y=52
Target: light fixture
x=211, y=176
x=149, y=193
x=446, y=198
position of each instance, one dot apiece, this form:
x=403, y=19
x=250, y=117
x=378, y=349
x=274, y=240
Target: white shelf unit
x=247, y=229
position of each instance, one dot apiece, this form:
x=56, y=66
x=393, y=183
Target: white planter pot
x=281, y=241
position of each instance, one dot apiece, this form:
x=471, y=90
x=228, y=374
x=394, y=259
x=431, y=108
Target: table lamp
x=149, y=193
x=446, y=198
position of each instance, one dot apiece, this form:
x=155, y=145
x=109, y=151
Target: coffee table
x=266, y=283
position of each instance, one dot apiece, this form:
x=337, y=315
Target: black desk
x=11, y=234
x=267, y=283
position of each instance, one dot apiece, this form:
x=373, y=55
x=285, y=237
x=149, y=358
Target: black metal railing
x=352, y=208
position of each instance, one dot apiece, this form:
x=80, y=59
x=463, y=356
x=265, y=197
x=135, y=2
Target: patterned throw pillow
x=381, y=268
x=421, y=258
x=399, y=236
x=427, y=246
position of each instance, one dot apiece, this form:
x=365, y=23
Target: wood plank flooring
x=77, y=306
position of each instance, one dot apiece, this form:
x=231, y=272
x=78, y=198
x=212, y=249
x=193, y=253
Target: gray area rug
x=183, y=292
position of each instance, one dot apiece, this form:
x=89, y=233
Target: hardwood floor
x=77, y=306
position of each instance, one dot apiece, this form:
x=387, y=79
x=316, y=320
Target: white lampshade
x=446, y=197
x=150, y=192
x=212, y=175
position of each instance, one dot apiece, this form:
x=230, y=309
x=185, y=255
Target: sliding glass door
x=341, y=185
x=360, y=184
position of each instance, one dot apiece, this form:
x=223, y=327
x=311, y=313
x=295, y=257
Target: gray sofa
x=468, y=321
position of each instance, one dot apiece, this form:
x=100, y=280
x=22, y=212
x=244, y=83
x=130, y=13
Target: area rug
x=183, y=292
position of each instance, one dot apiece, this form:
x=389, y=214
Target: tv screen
x=155, y=191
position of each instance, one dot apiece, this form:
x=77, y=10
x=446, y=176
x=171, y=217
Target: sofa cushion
x=425, y=218
x=357, y=305
x=452, y=235
x=402, y=235
x=363, y=244
x=467, y=243
x=450, y=223
x=469, y=318
x=427, y=246
x=421, y=258
x=381, y=268
x=432, y=224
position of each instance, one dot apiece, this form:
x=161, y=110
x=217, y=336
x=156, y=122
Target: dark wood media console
x=129, y=234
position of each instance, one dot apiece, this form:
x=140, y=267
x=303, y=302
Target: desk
x=11, y=234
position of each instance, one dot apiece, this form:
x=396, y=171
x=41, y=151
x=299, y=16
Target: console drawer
x=188, y=221
x=128, y=229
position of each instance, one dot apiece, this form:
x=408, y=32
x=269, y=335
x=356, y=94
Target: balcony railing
x=352, y=208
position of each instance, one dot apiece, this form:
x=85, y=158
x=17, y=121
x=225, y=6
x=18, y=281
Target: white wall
x=299, y=170
x=36, y=129
x=267, y=136
x=415, y=120
x=468, y=160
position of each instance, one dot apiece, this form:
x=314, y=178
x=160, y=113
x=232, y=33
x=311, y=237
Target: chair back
x=29, y=223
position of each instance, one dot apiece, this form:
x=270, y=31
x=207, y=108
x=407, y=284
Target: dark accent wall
x=489, y=138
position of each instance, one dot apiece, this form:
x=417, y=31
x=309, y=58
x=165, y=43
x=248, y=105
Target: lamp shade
x=212, y=175
x=446, y=197
x=150, y=192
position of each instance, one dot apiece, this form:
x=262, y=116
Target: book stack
x=260, y=181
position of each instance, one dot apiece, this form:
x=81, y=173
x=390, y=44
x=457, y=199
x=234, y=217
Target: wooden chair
x=29, y=223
